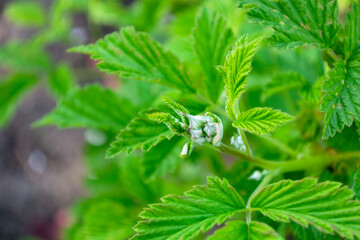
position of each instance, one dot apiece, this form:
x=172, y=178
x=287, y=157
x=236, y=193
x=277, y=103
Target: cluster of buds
x=205, y=128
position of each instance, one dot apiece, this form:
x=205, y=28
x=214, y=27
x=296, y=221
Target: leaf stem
x=266, y=180
x=245, y=141
x=333, y=55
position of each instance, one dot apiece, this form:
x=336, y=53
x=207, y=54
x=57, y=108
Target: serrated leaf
x=184, y=217
x=352, y=30
x=261, y=120
x=211, y=41
x=240, y=230
x=297, y=22
x=91, y=107
x=141, y=133
x=236, y=68
x=161, y=160
x=134, y=55
x=328, y=206
x=166, y=118
x=341, y=101
x=12, y=91
x=310, y=233
x=178, y=108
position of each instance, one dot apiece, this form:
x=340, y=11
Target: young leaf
x=341, y=101
x=172, y=123
x=261, y=120
x=161, y=159
x=142, y=133
x=297, y=22
x=211, y=41
x=91, y=107
x=134, y=55
x=184, y=217
x=239, y=230
x=12, y=91
x=328, y=206
x=178, y=108
x=235, y=70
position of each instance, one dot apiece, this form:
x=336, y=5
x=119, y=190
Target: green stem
x=333, y=55
x=244, y=139
x=283, y=166
x=266, y=180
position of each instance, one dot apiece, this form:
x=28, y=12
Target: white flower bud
x=238, y=143
x=205, y=128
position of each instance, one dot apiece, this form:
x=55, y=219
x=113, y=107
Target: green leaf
x=91, y=107
x=134, y=55
x=297, y=22
x=352, y=30
x=172, y=123
x=184, y=217
x=211, y=41
x=236, y=69
x=261, y=120
x=136, y=183
x=12, y=92
x=61, y=80
x=341, y=99
x=161, y=160
x=142, y=133
x=328, y=206
x=178, y=108
x=105, y=220
x=26, y=13
x=239, y=230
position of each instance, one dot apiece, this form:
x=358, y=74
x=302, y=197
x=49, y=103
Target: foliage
x=184, y=84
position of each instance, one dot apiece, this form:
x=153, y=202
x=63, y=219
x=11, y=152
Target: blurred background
x=42, y=171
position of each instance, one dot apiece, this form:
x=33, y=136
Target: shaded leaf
x=341, y=99
x=239, y=230
x=211, y=41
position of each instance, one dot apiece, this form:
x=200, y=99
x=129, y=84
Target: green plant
x=180, y=109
